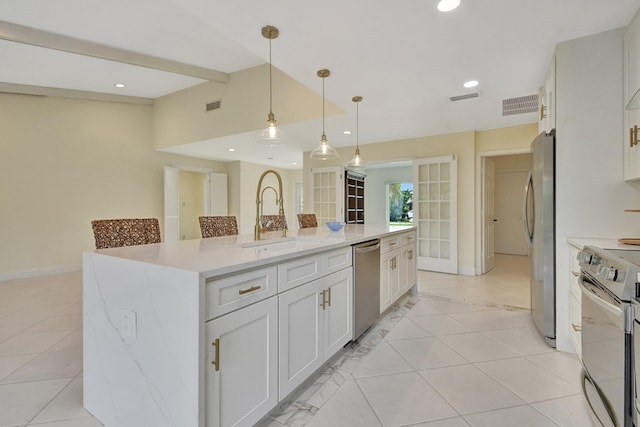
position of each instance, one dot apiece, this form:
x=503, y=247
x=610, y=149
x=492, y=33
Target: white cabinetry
x=547, y=101
x=397, y=267
x=315, y=322
x=631, y=166
x=575, y=300
x=241, y=365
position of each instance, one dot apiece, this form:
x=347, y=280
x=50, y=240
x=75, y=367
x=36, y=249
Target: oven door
x=603, y=353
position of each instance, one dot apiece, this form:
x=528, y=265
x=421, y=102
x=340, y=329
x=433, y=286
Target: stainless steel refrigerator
x=539, y=223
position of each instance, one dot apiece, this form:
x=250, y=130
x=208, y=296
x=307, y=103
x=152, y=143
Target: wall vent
x=214, y=105
x=520, y=105
x=466, y=96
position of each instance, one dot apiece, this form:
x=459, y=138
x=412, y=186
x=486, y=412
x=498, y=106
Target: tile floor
x=459, y=352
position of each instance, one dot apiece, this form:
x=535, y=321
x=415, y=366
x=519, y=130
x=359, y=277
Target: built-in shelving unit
x=354, y=197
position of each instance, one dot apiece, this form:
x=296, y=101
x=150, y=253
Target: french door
x=435, y=211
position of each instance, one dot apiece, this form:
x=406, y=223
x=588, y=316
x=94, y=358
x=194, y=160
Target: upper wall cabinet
x=547, y=100
x=632, y=112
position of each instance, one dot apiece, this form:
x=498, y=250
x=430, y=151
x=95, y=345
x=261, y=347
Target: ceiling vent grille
x=466, y=96
x=214, y=105
x=520, y=105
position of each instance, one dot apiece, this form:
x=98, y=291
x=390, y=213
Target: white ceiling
x=404, y=57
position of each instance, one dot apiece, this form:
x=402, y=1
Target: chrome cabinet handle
x=329, y=292
x=543, y=112
x=216, y=360
x=324, y=299
x=575, y=273
x=251, y=289
x=576, y=328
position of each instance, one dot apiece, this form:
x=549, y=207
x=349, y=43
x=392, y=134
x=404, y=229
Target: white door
x=171, y=204
x=436, y=215
x=509, y=236
x=326, y=194
x=488, y=214
x=241, y=365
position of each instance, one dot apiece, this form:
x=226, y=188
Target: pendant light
x=357, y=161
x=324, y=151
x=271, y=135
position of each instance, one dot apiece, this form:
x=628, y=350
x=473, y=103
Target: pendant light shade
x=324, y=151
x=271, y=135
x=356, y=162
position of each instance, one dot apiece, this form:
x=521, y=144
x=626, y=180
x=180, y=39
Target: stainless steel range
x=608, y=280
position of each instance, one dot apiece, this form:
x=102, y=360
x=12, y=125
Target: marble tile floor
x=444, y=356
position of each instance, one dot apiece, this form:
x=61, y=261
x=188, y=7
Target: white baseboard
x=467, y=271
x=37, y=272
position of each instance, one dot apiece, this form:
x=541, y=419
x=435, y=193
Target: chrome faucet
x=259, y=202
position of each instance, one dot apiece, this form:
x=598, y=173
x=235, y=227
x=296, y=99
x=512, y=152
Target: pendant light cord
x=323, y=105
x=357, y=126
x=270, y=90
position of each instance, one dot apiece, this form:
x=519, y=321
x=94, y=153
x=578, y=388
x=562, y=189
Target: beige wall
x=181, y=118
x=64, y=162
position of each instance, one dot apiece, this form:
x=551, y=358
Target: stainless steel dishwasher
x=366, y=279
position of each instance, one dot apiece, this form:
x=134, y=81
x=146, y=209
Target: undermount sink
x=281, y=244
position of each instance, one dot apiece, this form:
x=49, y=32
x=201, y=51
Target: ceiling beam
x=35, y=37
x=12, y=88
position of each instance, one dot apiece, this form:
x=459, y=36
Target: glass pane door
x=435, y=213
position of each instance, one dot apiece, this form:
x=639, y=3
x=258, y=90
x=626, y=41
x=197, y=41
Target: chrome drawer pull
x=251, y=289
x=575, y=273
x=576, y=328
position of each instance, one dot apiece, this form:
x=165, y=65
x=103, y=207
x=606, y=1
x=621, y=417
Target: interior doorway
x=502, y=177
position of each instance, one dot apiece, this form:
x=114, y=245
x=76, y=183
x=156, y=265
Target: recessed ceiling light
x=347, y=132
x=232, y=149
x=294, y=163
x=471, y=83
x=120, y=85
x=448, y=5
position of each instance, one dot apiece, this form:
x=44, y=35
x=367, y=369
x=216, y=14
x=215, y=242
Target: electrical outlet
x=128, y=323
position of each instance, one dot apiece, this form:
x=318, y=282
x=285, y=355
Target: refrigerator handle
x=525, y=209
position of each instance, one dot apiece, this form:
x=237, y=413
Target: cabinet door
x=300, y=332
x=631, y=165
x=576, y=324
x=241, y=365
x=385, y=286
x=389, y=278
x=408, y=268
x=338, y=315
x=394, y=276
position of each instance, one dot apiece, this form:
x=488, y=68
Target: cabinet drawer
x=303, y=270
x=407, y=238
x=337, y=260
x=389, y=243
x=233, y=292
x=299, y=271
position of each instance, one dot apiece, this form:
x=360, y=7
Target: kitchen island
x=215, y=332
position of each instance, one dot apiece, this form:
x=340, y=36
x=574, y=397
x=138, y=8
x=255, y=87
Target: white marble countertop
x=600, y=242
x=222, y=255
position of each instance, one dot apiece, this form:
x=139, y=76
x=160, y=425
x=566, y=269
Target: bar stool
x=217, y=226
x=115, y=233
x=307, y=220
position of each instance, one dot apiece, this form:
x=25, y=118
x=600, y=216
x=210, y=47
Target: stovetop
x=616, y=270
